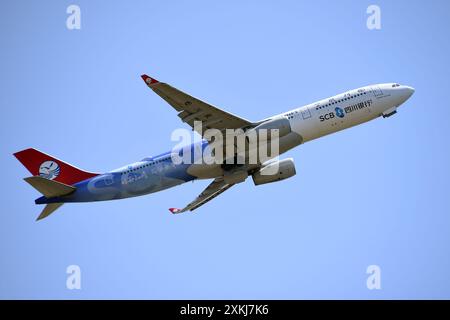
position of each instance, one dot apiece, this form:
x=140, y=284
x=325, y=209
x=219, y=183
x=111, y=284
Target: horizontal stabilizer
x=49, y=209
x=50, y=188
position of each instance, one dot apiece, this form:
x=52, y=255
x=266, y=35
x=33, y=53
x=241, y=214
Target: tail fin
x=49, y=189
x=46, y=166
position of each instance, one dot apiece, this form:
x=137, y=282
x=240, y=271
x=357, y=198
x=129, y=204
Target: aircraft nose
x=408, y=91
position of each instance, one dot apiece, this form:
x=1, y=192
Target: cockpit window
x=395, y=85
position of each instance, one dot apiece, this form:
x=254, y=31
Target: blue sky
x=373, y=194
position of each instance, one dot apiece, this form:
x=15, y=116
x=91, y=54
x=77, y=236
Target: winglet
x=174, y=210
x=148, y=80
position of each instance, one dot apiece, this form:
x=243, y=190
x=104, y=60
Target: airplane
x=60, y=182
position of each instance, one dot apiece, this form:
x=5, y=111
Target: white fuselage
x=346, y=110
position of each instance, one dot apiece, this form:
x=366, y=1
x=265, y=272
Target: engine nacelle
x=274, y=171
x=281, y=123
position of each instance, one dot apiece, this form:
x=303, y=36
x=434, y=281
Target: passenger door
x=377, y=92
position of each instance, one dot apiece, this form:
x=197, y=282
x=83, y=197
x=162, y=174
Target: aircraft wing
x=212, y=190
x=191, y=109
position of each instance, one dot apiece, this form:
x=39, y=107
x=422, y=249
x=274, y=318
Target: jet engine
x=274, y=171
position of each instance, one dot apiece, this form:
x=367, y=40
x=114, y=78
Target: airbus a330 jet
x=60, y=182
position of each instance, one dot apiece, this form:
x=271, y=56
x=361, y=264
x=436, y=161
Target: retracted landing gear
x=389, y=112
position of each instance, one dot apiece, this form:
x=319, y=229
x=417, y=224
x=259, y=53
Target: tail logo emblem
x=49, y=170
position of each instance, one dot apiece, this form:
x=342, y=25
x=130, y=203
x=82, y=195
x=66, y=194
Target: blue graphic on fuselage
x=339, y=112
x=146, y=176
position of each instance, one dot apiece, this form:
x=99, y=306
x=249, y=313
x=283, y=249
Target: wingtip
x=174, y=210
x=149, y=80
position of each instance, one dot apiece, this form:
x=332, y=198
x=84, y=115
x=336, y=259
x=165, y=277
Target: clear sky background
x=373, y=194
